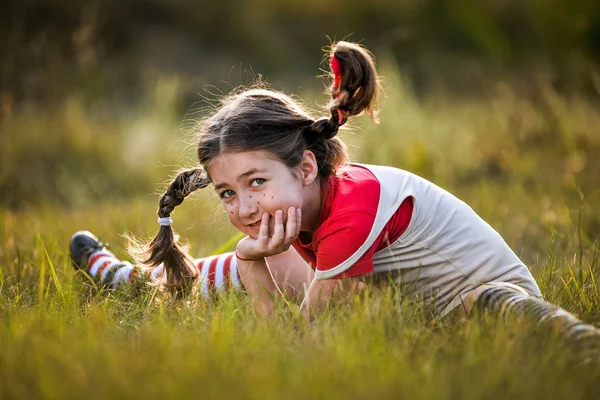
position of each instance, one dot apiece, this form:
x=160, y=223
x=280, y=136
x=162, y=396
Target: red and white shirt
x=386, y=220
x=348, y=208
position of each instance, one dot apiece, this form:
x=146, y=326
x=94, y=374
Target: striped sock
x=109, y=271
x=506, y=302
x=218, y=273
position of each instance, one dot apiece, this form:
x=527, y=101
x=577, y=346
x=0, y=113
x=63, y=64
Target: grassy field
x=526, y=162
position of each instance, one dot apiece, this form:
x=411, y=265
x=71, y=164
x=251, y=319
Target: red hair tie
x=337, y=71
x=334, y=64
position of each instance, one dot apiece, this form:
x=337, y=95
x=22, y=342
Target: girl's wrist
x=242, y=258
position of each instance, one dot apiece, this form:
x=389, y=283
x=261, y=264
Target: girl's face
x=255, y=182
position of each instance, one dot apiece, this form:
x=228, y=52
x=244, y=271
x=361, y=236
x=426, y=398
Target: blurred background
x=497, y=100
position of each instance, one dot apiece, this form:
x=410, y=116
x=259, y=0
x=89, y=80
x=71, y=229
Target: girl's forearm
x=291, y=274
x=318, y=295
x=259, y=284
x=321, y=292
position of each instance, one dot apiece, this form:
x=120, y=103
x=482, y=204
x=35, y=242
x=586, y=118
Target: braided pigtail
x=179, y=266
x=355, y=87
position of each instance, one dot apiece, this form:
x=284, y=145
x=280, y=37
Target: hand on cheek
x=275, y=240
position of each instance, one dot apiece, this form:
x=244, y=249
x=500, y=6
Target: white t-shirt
x=447, y=249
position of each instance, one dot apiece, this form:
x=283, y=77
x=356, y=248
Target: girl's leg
x=505, y=301
x=218, y=272
x=109, y=271
x=90, y=255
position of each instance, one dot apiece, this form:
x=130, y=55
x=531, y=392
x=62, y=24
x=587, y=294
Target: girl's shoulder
x=357, y=176
x=355, y=189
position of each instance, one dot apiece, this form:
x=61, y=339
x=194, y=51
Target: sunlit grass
x=529, y=167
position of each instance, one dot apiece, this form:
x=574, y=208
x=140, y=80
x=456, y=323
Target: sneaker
x=82, y=245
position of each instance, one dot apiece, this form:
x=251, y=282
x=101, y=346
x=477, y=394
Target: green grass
x=527, y=164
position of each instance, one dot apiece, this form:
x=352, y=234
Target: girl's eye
x=257, y=182
x=227, y=193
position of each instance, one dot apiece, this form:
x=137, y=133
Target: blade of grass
x=52, y=271
x=42, y=284
x=578, y=287
x=595, y=289
x=87, y=277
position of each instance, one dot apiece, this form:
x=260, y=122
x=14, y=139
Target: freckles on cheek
x=231, y=210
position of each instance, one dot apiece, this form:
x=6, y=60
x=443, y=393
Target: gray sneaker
x=82, y=245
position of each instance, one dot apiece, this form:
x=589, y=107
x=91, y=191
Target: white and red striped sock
x=218, y=273
x=107, y=269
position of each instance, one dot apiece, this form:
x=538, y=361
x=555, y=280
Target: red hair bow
x=334, y=64
x=337, y=71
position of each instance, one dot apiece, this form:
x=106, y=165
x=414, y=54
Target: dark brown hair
x=260, y=119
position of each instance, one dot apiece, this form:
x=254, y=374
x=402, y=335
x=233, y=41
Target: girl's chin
x=252, y=232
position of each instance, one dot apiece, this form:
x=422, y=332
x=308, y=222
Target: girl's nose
x=248, y=206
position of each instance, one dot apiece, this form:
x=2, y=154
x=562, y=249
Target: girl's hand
x=281, y=239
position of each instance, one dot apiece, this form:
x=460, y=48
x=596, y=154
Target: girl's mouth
x=254, y=225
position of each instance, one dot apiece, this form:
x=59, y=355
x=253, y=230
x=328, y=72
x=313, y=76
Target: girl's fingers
x=282, y=234
x=290, y=226
x=263, y=232
x=278, y=231
x=298, y=220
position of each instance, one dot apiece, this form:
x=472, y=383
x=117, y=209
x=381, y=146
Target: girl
x=285, y=181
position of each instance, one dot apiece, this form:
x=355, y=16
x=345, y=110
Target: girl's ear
x=308, y=167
